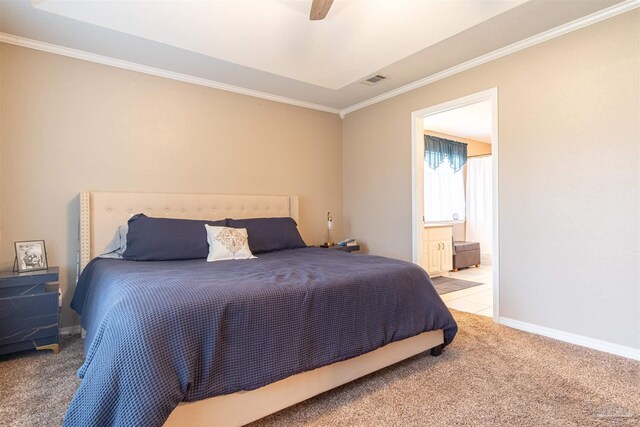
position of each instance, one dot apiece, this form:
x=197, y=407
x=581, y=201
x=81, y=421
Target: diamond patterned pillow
x=227, y=243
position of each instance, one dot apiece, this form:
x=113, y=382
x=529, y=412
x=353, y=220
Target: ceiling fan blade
x=319, y=9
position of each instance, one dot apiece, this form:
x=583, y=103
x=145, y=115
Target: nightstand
x=353, y=248
x=29, y=313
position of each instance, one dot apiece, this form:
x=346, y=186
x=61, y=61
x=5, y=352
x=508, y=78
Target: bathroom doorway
x=455, y=200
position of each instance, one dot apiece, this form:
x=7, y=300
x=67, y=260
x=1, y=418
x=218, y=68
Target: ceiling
x=276, y=36
x=270, y=48
x=471, y=121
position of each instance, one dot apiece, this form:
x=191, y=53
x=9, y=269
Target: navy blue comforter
x=159, y=333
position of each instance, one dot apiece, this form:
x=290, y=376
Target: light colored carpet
x=491, y=375
x=36, y=386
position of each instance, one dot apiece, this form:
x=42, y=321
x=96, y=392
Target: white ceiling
x=357, y=38
x=471, y=121
x=269, y=48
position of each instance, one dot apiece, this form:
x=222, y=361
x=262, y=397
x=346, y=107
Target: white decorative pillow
x=227, y=243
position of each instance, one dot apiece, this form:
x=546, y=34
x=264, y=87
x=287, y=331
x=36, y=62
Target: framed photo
x=31, y=256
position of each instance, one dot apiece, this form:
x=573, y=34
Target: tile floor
x=478, y=299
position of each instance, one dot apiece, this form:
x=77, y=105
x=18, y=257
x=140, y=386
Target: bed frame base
x=243, y=407
x=436, y=351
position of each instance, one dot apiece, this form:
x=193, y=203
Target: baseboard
x=617, y=349
x=71, y=330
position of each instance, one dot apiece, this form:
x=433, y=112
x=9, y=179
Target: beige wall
x=69, y=125
x=569, y=132
x=569, y=126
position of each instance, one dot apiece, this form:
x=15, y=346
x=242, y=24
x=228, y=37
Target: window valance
x=436, y=149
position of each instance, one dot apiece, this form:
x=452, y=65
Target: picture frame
x=31, y=255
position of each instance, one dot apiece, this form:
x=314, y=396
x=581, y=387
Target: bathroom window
x=444, y=198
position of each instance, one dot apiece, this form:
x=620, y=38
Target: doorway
x=455, y=199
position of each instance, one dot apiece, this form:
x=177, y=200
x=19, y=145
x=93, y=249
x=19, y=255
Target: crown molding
x=585, y=21
x=610, y=12
x=132, y=66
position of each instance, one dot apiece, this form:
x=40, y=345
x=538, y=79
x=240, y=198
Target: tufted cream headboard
x=102, y=212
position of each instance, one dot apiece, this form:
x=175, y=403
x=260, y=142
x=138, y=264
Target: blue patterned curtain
x=436, y=149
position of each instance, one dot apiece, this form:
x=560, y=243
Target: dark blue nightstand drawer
x=13, y=291
x=29, y=316
x=29, y=329
x=27, y=306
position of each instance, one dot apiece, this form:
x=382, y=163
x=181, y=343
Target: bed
x=226, y=343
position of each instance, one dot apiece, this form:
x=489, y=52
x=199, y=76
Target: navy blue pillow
x=270, y=234
x=164, y=239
